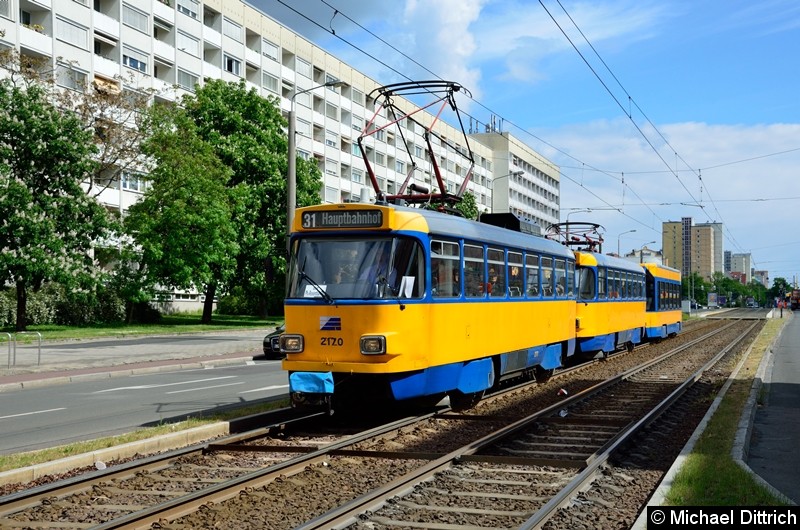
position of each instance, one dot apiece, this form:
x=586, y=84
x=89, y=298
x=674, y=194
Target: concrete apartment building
x=172, y=45
x=742, y=264
x=693, y=248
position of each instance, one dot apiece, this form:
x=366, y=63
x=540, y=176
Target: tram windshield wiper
x=325, y=296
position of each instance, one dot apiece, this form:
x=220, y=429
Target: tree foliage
x=48, y=224
x=183, y=224
x=468, y=206
x=247, y=133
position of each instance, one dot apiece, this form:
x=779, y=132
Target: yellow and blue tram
x=663, y=315
x=611, y=303
x=387, y=301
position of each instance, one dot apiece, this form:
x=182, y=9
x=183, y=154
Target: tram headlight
x=373, y=345
x=292, y=343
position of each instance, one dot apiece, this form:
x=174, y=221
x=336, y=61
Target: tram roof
x=663, y=271
x=454, y=226
x=593, y=259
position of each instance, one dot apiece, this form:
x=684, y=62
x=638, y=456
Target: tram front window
x=361, y=268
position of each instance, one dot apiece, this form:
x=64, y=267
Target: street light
x=641, y=250
x=517, y=173
x=619, y=236
x=291, y=178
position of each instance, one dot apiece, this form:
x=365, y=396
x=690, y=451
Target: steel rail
x=348, y=513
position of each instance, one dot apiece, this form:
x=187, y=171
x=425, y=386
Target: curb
x=159, y=444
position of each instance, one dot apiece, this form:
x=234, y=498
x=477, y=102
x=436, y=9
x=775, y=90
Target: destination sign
x=342, y=219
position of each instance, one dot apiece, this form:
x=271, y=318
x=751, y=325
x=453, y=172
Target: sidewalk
x=775, y=429
x=30, y=365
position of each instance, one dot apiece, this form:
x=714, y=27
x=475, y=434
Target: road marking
x=273, y=387
x=203, y=388
x=146, y=387
x=31, y=413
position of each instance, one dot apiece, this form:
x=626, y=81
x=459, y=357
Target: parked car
x=272, y=347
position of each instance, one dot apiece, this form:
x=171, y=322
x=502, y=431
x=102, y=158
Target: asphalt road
x=54, y=415
x=57, y=393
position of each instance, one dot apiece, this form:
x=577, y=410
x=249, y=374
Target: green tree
x=48, y=224
x=183, y=224
x=468, y=206
x=779, y=286
x=696, y=288
x=247, y=132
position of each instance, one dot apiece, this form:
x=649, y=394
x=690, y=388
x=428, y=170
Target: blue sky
x=654, y=110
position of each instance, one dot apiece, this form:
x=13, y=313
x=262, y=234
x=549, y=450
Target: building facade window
x=331, y=139
x=331, y=195
x=187, y=43
x=303, y=127
x=269, y=49
x=303, y=67
x=270, y=82
x=134, y=59
x=232, y=64
x=232, y=29
x=133, y=182
x=189, y=7
x=70, y=78
x=187, y=80
x=136, y=19
x=331, y=167
x=72, y=33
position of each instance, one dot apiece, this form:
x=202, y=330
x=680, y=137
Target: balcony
x=211, y=71
x=252, y=57
x=34, y=40
x=164, y=50
x=164, y=12
x=106, y=67
x=105, y=24
x=212, y=36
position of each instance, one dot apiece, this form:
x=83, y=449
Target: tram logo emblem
x=330, y=323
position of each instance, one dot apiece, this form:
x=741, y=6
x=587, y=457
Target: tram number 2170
x=331, y=341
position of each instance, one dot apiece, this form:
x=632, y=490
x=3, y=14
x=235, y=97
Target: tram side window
x=497, y=273
x=613, y=288
x=561, y=277
x=548, y=279
x=445, y=274
x=602, y=292
x=532, y=271
x=515, y=275
x=474, y=275
x=623, y=285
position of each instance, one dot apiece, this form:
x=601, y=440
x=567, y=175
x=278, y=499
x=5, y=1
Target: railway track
x=249, y=477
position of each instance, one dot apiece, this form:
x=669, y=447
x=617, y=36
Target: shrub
x=237, y=302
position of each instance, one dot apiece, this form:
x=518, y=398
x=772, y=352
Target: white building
x=171, y=45
x=742, y=263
